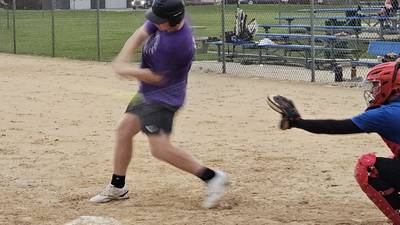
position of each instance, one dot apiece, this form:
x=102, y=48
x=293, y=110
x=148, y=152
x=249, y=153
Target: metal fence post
x=223, y=35
x=98, y=29
x=41, y=7
x=8, y=16
x=14, y=32
x=53, y=38
x=312, y=14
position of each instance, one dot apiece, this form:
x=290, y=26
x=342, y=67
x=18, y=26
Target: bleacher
x=303, y=28
x=378, y=49
x=373, y=23
x=291, y=43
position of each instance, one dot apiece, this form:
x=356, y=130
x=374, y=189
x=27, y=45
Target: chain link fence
x=322, y=41
x=319, y=41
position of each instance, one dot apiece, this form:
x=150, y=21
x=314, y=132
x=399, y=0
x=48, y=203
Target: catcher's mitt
x=286, y=108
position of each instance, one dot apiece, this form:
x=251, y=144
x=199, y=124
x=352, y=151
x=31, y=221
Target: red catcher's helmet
x=383, y=82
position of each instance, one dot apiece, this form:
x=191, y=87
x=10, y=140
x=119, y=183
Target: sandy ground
x=57, y=131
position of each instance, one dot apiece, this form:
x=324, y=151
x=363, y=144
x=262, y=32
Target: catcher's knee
x=381, y=194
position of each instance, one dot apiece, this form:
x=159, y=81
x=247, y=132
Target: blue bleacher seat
x=379, y=48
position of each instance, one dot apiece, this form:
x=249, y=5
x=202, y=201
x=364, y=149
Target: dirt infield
x=56, y=135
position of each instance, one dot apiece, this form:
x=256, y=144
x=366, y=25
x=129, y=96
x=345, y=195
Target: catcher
x=378, y=177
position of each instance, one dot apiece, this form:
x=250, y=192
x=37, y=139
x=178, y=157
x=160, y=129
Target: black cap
x=163, y=11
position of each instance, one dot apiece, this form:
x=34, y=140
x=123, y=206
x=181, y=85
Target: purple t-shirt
x=169, y=54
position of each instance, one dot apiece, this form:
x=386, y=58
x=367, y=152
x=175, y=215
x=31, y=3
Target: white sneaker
x=111, y=193
x=215, y=189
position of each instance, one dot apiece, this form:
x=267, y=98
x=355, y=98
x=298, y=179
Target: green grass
x=75, y=31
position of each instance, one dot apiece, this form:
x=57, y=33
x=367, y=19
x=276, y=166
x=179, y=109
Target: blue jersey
x=385, y=121
x=169, y=54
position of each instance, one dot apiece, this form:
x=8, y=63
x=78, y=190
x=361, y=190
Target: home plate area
x=93, y=220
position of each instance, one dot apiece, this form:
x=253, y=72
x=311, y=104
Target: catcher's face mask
x=371, y=90
x=385, y=83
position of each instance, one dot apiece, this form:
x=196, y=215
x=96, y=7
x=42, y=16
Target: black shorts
x=389, y=171
x=154, y=117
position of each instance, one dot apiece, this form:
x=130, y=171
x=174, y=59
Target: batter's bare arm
x=121, y=64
